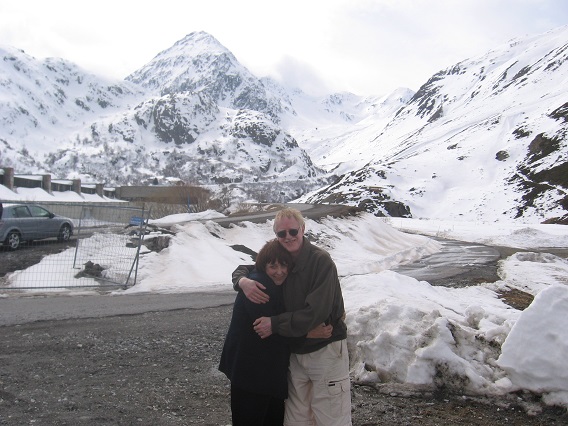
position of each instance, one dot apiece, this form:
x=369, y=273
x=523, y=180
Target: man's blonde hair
x=289, y=213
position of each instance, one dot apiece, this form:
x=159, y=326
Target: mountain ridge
x=488, y=124
x=483, y=139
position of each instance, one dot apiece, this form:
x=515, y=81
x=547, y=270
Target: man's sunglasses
x=292, y=232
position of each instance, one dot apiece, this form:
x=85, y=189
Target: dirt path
x=160, y=368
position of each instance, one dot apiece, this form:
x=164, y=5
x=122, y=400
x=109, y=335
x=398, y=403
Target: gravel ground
x=160, y=368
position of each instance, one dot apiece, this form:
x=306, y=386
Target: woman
x=257, y=368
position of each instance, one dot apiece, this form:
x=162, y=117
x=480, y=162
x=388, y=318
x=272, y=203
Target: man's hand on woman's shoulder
x=253, y=290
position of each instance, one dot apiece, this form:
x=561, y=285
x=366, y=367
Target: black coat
x=249, y=362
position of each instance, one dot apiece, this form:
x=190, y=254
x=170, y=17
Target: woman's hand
x=322, y=331
x=263, y=327
x=253, y=290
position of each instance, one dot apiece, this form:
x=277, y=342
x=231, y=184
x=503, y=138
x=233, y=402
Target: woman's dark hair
x=272, y=252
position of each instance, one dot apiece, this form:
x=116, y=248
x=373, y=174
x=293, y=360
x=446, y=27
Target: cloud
x=363, y=46
x=295, y=73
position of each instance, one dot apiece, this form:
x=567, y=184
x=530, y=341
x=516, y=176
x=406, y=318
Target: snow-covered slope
x=484, y=139
x=43, y=101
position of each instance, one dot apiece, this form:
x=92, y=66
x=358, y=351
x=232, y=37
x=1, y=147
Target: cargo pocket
x=339, y=396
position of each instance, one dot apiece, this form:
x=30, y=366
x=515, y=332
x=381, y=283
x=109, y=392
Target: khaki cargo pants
x=319, y=389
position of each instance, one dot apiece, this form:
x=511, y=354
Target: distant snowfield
x=507, y=233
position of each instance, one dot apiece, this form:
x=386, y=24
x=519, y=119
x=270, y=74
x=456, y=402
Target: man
x=318, y=379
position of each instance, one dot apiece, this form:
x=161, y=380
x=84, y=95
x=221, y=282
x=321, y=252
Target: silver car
x=28, y=222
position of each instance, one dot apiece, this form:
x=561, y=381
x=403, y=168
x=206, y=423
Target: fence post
x=77, y=186
x=9, y=178
x=46, y=183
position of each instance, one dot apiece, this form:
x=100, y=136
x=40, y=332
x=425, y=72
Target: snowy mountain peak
x=198, y=63
x=177, y=68
x=199, y=42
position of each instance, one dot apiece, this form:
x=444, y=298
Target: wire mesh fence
x=102, y=249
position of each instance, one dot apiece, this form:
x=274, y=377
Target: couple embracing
x=286, y=351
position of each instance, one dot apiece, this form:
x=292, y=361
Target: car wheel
x=13, y=240
x=64, y=233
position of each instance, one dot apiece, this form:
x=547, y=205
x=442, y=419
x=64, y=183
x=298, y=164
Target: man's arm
x=322, y=331
x=252, y=289
x=263, y=327
x=318, y=304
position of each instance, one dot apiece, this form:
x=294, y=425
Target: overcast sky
x=363, y=46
